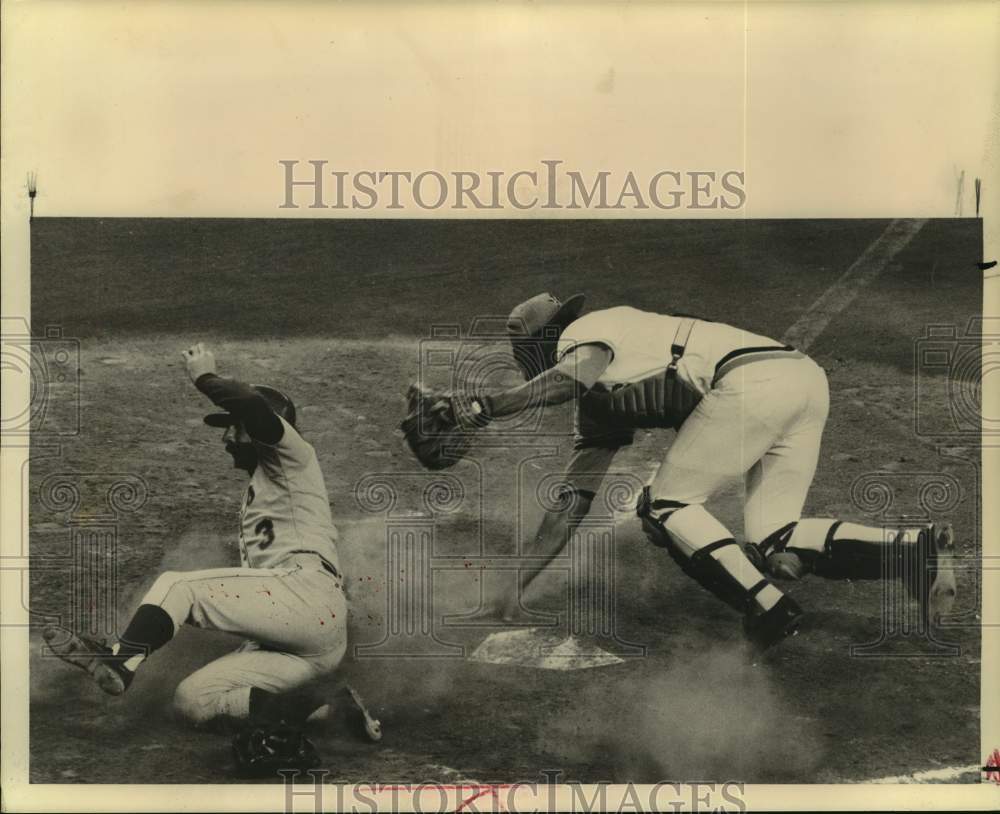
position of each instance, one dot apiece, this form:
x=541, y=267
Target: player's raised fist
x=199, y=361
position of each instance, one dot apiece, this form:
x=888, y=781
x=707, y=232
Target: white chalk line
x=944, y=775
x=805, y=330
x=808, y=327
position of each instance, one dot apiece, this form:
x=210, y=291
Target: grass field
x=333, y=312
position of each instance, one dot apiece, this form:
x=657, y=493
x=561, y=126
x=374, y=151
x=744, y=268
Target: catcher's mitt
x=263, y=752
x=437, y=428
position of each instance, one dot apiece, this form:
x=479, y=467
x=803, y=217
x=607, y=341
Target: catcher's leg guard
x=706, y=552
x=791, y=551
x=652, y=514
x=849, y=550
x=921, y=556
x=831, y=548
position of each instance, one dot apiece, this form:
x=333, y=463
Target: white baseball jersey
x=641, y=341
x=286, y=509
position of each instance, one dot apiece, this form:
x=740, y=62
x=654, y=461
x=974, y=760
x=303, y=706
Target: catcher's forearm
x=551, y=388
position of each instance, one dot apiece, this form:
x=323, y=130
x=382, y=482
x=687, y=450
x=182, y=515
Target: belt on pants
x=742, y=356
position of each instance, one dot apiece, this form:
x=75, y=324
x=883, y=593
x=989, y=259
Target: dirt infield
x=334, y=313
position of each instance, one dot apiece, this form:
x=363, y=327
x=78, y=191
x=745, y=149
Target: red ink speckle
x=992, y=767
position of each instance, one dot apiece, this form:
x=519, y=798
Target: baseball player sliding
x=286, y=597
x=743, y=406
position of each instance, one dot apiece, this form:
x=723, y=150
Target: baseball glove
x=438, y=428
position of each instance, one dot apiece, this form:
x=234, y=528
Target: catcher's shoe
x=361, y=720
x=93, y=657
x=766, y=629
x=933, y=579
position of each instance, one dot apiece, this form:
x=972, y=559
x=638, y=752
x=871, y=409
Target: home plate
x=541, y=649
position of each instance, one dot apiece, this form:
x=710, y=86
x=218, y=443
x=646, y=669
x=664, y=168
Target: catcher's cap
x=531, y=317
x=278, y=401
x=534, y=328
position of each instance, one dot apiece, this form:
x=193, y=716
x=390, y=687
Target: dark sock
x=288, y=707
x=150, y=628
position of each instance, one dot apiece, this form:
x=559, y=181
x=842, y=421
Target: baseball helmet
x=277, y=401
x=534, y=328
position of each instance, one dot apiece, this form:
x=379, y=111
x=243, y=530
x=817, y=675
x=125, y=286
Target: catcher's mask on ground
x=534, y=328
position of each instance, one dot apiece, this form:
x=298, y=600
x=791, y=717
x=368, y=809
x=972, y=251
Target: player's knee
x=193, y=702
x=688, y=527
x=769, y=554
x=654, y=514
x=791, y=551
x=161, y=586
x=172, y=592
x=169, y=577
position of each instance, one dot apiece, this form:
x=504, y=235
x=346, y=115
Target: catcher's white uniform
x=286, y=599
x=756, y=409
x=761, y=414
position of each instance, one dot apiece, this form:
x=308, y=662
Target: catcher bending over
x=743, y=405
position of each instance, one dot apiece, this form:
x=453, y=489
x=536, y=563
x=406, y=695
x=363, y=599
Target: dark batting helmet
x=276, y=400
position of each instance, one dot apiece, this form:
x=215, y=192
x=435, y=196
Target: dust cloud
x=712, y=716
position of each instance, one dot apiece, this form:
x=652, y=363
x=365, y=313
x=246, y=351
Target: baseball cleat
x=93, y=657
x=935, y=587
x=766, y=629
x=370, y=726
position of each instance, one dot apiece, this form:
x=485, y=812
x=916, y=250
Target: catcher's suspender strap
x=681, y=338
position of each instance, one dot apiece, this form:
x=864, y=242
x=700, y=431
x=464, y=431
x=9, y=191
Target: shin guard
x=692, y=537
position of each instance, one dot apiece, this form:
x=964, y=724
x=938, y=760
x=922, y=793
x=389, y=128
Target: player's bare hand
x=199, y=361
